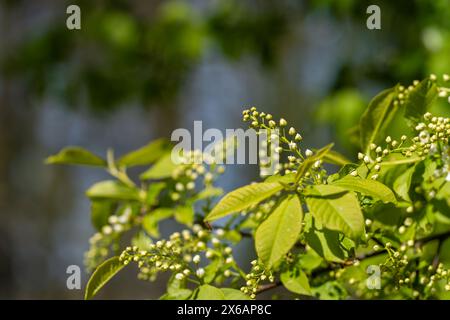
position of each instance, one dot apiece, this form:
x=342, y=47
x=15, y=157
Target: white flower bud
x=179, y=186
x=179, y=276
x=196, y=259
x=107, y=230
x=283, y=122
x=292, y=131
x=200, y=272
x=308, y=153
x=190, y=185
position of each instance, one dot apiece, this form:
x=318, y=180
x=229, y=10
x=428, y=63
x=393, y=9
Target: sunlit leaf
x=279, y=232
x=102, y=275
x=243, y=198
x=76, y=155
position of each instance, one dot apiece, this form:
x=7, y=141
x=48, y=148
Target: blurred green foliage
x=121, y=54
x=143, y=52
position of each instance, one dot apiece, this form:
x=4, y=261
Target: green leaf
x=142, y=241
x=330, y=290
x=336, y=158
x=326, y=243
x=279, y=232
x=233, y=236
x=368, y=187
x=296, y=281
x=403, y=182
x=286, y=179
x=153, y=191
x=179, y=294
x=161, y=169
x=151, y=220
x=419, y=100
x=145, y=155
x=336, y=209
x=243, y=198
x=102, y=275
x=76, y=155
x=208, y=292
x=376, y=118
x=111, y=189
x=211, y=271
x=100, y=212
x=209, y=192
x=308, y=162
x=309, y=260
x=184, y=214
x=176, y=290
x=233, y=294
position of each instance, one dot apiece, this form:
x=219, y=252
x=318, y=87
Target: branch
x=419, y=243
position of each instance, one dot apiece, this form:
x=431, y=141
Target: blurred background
x=139, y=69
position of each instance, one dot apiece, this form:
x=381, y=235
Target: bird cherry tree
x=375, y=228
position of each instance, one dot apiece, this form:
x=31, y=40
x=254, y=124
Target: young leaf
x=336, y=158
x=286, y=179
x=145, y=155
x=154, y=189
x=403, y=183
x=111, y=189
x=209, y=192
x=161, y=169
x=296, y=281
x=102, y=275
x=100, y=212
x=151, y=220
x=376, y=118
x=368, y=187
x=211, y=271
x=336, y=209
x=243, y=198
x=419, y=100
x=76, y=155
x=307, y=164
x=207, y=292
x=184, y=214
x=233, y=294
x=278, y=233
x=179, y=294
x=142, y=241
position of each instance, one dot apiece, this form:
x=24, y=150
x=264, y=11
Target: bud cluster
x=101, y=242
x=289, y=144
x=182, y=254
x=257, y=274
x=192, y=169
